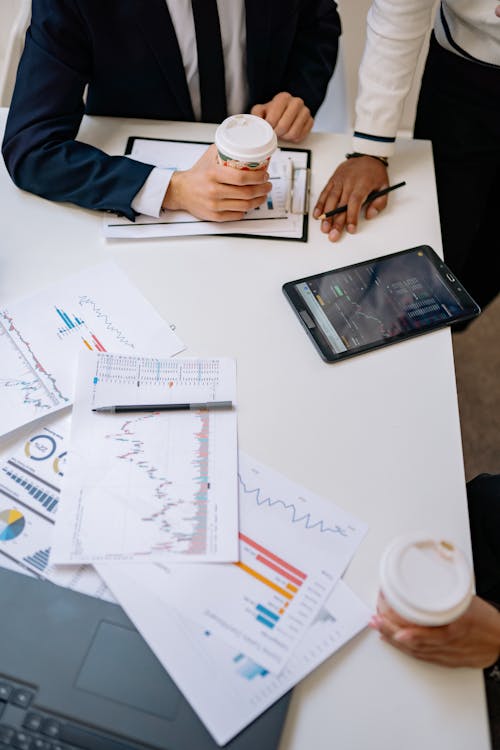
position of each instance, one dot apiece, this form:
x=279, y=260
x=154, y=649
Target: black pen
x=162, y=407
x=371, y=197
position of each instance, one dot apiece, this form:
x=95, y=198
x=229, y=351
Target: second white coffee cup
x=424, y=580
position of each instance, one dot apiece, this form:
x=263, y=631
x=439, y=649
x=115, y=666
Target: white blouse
x=396, y=30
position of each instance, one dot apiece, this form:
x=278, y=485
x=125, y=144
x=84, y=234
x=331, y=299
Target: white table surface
x=378, y=434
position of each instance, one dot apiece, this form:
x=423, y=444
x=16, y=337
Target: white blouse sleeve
x=396, y=30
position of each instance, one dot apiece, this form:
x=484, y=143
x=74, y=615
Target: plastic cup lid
x=246, y=138
x=426, y=580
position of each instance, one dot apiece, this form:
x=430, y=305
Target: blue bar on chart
x=279, y=582
x=265, y=622
x=47, y=500
x=266, y=617
x=249, y=669
x=39, y=560
x=68, y=323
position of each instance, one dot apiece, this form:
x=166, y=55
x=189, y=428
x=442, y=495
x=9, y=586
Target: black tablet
x=378, y=302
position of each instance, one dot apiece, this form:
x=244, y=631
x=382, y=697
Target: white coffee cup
x=245, y=142
x=424, y=580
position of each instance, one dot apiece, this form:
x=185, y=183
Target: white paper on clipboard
x=283, y=216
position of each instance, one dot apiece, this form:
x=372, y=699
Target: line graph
x=135, y=453
x=149, y=485
x=42, y=335
x=28, y=390
x=340, y=297
x=179, y=491
x=358, y=310
x=290, y=557
x=296, y=516
x=25, y=388
x=31, y=359
x=86, y=301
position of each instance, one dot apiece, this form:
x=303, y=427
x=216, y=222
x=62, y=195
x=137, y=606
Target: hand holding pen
x=371, y=197
x=350, y=185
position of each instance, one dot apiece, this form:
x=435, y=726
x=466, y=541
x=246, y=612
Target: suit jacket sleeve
x=39, y=149
x=314, y=52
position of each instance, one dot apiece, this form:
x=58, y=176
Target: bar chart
x=24, y=532
x=41, y=337
x=247, y=668
x=38, y=560
x=44, y=494
x=72, y=323
x=281, y=579
x=293, y=547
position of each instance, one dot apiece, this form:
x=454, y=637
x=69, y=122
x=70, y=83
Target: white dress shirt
x=233, y=32
x=396, y=30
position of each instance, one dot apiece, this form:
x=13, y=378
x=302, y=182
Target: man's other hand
x=288, y=115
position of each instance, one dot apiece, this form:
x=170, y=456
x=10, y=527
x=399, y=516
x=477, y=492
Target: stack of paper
x=235, y=638
x=151, y=485
x=40, y=339
x=282, y=216
x=229, y=570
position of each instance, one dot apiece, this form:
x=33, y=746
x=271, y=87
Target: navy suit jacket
x=126, y=51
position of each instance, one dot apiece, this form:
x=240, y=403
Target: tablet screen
x=367, y=304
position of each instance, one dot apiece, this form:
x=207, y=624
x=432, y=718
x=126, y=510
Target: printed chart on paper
x=40, y=337
x=281, y=216
x=156, y=484
x=294, y=546
x=225, y=687
x=31, y=471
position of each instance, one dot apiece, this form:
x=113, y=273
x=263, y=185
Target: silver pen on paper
x=120, y=408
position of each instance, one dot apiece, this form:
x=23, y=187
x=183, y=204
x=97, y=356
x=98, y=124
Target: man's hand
x=288, y=115
x=215, y=193
x=471, y=641
x=350, y=184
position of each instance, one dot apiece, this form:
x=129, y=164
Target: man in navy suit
x=138, y=59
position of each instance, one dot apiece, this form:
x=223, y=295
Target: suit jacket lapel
x=258, y=21
x=154, y=20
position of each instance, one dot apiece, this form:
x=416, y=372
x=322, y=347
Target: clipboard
x=299, y=188
x=287, y=220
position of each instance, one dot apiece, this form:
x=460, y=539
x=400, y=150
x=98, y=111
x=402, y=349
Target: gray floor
x=477, y=366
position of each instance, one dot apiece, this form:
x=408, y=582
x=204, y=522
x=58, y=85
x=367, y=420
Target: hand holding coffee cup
x=426, y=607
x=212, y=191
x=473, y=640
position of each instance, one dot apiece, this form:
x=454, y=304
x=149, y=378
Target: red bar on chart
x=279, y=570
x=98, y=344
x=272, y=556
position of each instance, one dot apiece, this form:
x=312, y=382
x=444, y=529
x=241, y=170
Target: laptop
x=75, y=674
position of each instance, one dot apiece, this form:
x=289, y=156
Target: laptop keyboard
x=24, y=727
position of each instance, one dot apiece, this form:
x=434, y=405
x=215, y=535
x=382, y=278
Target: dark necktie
x=210, y=60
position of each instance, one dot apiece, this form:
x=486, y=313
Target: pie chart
x=11, y=524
